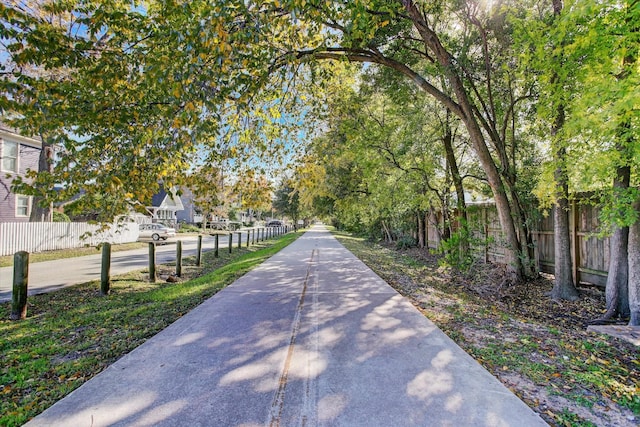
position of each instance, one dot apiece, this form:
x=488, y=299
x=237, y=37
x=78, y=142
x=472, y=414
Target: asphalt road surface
x=49, y=276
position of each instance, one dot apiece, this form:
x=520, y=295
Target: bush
x=60, y=217
x=406, y=242
x=188, y=228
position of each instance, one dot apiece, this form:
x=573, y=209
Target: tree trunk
x=563, y=286
x=466, y=113
x=421, y=226
x=41, y=210
x=461, y=205
x=634, y=269
x=617, y=291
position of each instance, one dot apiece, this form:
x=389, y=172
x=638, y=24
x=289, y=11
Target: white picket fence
x=48, y=236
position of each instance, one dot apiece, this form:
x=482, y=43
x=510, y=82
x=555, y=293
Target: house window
x=10, y=156
x=164, y=214
x=23, y=205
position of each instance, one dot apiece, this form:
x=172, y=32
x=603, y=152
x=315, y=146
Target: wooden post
x=253, y=236
x=152, y=262
x=179, y=258
x=216, y=253
x=230, y=241
x=248, y=237
x=239, y=239
x=105, y=275
x=199, y=251
x=20, y=285
x=485, y=225
x=574, y=222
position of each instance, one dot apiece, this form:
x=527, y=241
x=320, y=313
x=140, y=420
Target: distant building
x=164, y=207
x=17, y=154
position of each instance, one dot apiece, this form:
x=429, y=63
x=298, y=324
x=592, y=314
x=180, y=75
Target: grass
x=538, y=348
x=73, y=334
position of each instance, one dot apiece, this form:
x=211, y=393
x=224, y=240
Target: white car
x=156, y=232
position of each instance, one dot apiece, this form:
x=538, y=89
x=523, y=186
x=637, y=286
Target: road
x=49, y=276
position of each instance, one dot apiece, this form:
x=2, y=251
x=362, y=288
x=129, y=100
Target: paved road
x=52, y=275
x=312, y=337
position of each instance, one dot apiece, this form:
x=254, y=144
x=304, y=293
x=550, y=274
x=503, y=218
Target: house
x=164, y=207
x=190, y=214
x=17, y=154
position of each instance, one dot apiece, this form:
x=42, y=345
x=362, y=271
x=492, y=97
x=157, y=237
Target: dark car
x=275, y=223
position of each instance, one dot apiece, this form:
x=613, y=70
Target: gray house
x=17, y=154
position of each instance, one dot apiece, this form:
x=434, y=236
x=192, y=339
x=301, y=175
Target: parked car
x=275, y=223
x=156, y=232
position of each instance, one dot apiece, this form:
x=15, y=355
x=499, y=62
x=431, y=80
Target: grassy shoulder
x=538, y=348
x=73, y=334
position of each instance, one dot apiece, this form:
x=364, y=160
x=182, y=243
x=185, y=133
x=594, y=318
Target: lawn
x=73, y=334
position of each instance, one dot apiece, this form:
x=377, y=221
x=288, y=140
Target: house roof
x=15, y=134
x=162, y=199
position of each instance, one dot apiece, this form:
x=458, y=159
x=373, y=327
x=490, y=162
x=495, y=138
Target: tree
x=547, y=39
x=287, y=200
x=253, y=191
x=605, y=113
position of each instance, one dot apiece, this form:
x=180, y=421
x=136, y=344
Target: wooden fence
x=589, y=253
x=47, y=236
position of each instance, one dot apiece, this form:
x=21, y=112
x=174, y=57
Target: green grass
x=72, y=334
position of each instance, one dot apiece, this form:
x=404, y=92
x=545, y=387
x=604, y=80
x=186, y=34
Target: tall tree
x=605, y=113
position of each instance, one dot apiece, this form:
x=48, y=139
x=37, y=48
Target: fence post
x=152, y=262
x=239, y=239
x=574, y=220
x=230, y=241
x=485, y=229
x=199, y=251
x=216, y=253
x=248, y=237
x=105, y=275
x=179, y=258
x=20, y=285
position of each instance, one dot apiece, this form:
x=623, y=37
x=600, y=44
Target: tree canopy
x=392, y=108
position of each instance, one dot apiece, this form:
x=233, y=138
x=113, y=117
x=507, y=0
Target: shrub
x=60, y=217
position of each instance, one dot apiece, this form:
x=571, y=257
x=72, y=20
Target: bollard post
x=20, y=285
x=216, y=253
x=230, y=242
x=179, y=258
x=105, y=272
x=152, y=262
x=199, y=251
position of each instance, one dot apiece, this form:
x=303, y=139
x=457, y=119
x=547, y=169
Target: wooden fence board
x=590, y=252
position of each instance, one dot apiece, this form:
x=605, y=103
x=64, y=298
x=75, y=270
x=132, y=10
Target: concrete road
x=312, y=337
x=49, y=276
